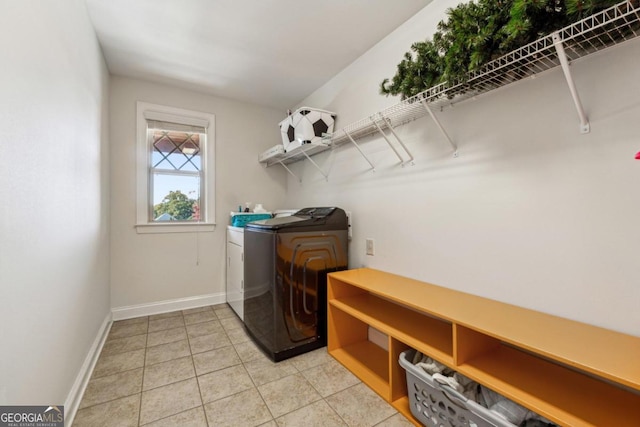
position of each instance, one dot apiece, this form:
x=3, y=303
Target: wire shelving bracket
x=281, y=163
x=404, y=147
x=326, y=175
x=300, y=153
x=387, y=124
x=444, y=132
x=353, y=141
x=384, y=135
x=564, y=63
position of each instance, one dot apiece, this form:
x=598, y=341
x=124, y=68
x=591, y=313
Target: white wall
x=149, y=268
x=54, y=227
x=532, y=212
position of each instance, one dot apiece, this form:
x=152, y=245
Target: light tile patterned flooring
x=199, y=368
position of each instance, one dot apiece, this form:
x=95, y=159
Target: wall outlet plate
x=370, y=246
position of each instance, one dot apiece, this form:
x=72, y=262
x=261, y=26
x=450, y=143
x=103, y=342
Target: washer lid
x=284, y=212
x=327, y=218
x=275, y=223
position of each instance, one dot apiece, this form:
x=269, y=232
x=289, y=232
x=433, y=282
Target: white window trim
x=144, y=111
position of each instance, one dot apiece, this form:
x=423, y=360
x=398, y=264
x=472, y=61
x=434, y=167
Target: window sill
x=175, y=228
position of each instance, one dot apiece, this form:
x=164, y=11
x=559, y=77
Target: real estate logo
x=32, y=416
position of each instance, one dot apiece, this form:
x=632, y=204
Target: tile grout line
x=324, y=398
x=243, y=364
x=144, y=368
x=195, y=372
x=110, y=400
x=298, y=372
x=273, y=418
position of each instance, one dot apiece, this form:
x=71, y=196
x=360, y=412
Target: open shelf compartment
x=348, y=343
x=427, y=334
x=560, y=393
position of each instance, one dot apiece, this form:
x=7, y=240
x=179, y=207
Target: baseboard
x=131, y=311
x=82, y=379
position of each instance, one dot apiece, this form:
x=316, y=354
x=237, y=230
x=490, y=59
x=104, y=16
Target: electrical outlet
x=370, y=247
x=349, y=228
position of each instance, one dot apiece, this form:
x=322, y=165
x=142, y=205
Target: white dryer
x=235, y=269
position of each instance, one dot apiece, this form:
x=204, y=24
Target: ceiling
x=267, y=52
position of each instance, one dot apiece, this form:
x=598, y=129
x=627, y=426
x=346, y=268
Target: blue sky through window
x=163, y=184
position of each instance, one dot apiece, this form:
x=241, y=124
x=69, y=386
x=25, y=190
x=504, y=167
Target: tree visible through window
x=176, y=171
x=176, y=207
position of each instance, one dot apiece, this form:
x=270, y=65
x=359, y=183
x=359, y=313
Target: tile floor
x=199, y=368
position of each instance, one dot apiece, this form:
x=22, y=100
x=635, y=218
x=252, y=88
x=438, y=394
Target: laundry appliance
x=235, y=255
x=285, y=278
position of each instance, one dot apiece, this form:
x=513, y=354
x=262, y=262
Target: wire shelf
x=597, y=32
x=297, y=154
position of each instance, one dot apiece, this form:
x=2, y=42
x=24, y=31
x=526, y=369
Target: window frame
x=148, y=111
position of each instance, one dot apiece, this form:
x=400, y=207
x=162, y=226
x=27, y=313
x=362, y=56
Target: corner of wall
x=74, y=397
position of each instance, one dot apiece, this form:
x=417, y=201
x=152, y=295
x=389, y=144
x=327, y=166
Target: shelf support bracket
x=562, y=56
x=373, y=168
x=386, y=121
x=290, y=171
x=375, y=123
x=442, y=130
x=404, y=147
x=326, y=176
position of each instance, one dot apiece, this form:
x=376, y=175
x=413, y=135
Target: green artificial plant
x=477, y=32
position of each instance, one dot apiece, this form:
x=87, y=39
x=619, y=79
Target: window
x=175, y=169
x=175, y=174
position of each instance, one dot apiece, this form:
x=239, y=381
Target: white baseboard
x=131, y=311
x=82, y=379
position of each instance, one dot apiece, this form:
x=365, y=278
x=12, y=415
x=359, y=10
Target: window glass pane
x=176, y=159
x=191, y=165
x=196, y=160
x=176, y=197
x=174, y=150
x=157, y=160
x=162, y=143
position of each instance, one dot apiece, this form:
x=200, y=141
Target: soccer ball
x=287, y=132
x=305, y=126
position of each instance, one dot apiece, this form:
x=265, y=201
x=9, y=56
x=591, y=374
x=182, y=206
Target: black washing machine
x=285, y=278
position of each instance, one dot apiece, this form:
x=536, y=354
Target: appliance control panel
x=315, y=212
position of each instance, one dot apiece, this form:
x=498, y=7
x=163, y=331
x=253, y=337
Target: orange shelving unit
x=572, y=373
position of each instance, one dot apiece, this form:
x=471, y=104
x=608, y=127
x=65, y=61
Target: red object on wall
x=638, y=156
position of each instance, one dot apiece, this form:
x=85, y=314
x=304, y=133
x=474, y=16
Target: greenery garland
x=478, y=32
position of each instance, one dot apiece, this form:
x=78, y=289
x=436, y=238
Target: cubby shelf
x=428, y=334
x=570, y=372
